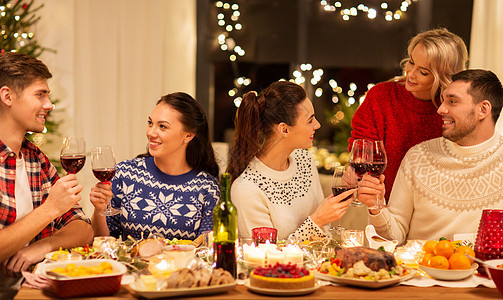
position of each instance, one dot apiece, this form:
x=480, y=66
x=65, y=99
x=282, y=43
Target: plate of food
x=183, y=282
x=138, y=291
x=282, y=280
x=281, y=292
x=364, y=267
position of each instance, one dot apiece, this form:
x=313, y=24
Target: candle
x=267, y=246
x=274, y=256
x=160, y=266
x=256, y=256
x=352, y=238
x=293, y=254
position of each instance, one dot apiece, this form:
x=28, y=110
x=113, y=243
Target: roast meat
x=373, y=259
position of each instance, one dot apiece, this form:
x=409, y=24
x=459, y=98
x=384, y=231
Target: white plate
x=365, y=283
x=449, y=274
x=278, y=292
x=213, y=289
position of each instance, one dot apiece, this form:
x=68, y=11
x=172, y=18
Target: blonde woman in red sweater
x=403, y=112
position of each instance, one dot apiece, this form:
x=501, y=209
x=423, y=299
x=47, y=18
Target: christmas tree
x=16, y=19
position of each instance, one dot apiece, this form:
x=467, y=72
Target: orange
x=444, y=248
x=466, y=250
x=429, y=246
x=439, y=262
x=426, y=259
x=458, y=261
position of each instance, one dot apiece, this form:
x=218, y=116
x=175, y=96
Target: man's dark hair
x=484, y=85
x=18, y=70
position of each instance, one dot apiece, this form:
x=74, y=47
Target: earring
x=185, y=141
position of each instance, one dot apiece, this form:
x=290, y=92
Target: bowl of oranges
x=446, y=260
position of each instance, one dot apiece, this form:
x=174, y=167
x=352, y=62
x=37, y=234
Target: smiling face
x=30, y=107
x=459, y=114
x=166, y=134
x=419, y=78
x=302, y=133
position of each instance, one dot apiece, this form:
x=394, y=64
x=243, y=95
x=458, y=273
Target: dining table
x=324, y=292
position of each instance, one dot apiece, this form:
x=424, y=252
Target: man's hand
x=24, y=258
x=64, y=195
x=368, y=189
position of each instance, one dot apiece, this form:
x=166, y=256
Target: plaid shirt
x=41, y=176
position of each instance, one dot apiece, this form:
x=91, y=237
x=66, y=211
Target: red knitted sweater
x=392, y=114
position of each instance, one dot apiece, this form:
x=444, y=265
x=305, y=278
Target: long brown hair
x=199, y=153
x=256, y=117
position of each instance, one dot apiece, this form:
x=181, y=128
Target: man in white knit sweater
x=443, y=184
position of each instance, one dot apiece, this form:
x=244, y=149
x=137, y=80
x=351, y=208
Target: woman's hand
x=99, y=194
x=368, y=189
x=332, y=208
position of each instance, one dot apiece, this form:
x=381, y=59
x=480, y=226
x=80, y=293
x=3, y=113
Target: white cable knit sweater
x=441, y=189
x=281, y=199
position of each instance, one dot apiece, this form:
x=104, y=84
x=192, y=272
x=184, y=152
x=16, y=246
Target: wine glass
x=103, y=162
x=376, y=167
x=344, y=179
x=361, y=155
x=73, y=154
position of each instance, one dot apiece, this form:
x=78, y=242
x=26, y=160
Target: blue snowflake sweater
x=153, y=202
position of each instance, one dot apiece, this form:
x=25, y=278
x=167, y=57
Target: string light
x=228, y=19
x=348, y=11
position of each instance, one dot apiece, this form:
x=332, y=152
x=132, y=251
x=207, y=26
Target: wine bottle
x=225, y=228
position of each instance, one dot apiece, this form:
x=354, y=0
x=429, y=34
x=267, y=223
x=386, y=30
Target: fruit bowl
x=496, y=273
x=442, y=274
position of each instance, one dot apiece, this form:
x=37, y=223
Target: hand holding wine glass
x=376, y=167
x=344, y=179
x=73, y=154
x=103, y=162
x=361, y=155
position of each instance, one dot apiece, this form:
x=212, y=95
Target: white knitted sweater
x=441, y=189
x=281, y=199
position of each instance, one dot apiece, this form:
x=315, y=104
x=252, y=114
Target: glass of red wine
x=73, y=154
x=103, y=163
x=377, y=166
x=361, y=155
x=344, y=179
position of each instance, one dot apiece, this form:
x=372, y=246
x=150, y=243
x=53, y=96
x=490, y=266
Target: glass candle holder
x=352, y=238
x=489, y=242
x=261, y=235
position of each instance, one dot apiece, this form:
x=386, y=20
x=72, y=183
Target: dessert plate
x=278, y=292
x=365, y=283
x=165, y=293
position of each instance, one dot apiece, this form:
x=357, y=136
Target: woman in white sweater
x=275, y=182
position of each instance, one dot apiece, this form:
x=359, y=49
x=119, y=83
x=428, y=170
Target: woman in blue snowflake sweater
x=172, y=189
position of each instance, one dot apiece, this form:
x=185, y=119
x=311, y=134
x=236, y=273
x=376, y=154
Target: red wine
x=72, y=163
x=104, y=175
x=225, y=253
x=360, y=168
x=376, y=168
x=339, y=190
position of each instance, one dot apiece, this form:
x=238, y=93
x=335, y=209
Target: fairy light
x=372, y=10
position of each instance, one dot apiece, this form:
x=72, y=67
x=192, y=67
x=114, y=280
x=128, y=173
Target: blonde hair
x=446, y=54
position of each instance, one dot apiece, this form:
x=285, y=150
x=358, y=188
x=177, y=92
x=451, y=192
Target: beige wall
x=114, y=60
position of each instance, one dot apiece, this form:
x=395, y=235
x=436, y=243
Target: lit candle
x=256, y=256
x=293, y=254
x=274, y=256
x=267, y=246
x=352, y=238
x=160, y=266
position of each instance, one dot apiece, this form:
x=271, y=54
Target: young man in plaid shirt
x=39, y=211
